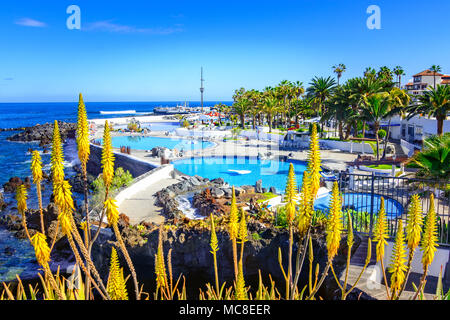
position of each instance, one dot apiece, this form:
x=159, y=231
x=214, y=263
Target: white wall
x=156, y=175
x=253, y=134
x=348, y=146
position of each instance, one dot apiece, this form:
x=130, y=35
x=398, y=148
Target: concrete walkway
x=141, y=206
x=371, y=281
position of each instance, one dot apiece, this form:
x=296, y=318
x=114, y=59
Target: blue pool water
x=273, y=173
x=154, y=126
x=362, y=202
x=148, y=143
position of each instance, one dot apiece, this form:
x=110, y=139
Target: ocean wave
x=119, y=112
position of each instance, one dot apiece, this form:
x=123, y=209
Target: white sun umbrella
x=205, y=117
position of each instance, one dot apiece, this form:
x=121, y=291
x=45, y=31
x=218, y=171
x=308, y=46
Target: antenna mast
x=201, y=87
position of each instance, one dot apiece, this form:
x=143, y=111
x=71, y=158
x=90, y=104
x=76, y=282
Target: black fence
x=362, y=197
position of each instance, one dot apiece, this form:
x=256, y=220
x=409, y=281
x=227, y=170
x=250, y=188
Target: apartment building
x=425, y=79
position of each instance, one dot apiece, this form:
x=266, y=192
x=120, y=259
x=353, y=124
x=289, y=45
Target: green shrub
x=381, y=133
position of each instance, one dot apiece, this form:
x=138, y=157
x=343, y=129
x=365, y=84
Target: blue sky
x=153, y=50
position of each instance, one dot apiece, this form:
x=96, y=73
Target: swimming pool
x=273, y=173
x=154, y=126
x=362, y=202
x=148, y=143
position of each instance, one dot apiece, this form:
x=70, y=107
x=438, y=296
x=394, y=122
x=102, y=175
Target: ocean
x=17, y=256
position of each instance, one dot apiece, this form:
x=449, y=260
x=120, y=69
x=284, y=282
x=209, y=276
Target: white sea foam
x=118, y=112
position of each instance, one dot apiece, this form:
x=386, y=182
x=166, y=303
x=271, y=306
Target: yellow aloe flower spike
x=82, y=132
x=314, y=168
x=64, y=201
x=160, y=267
x=41, y=248
x=398, y=260
x=57, y=158
x=291, y=194
x=381, y=232
x=233, y=221
x=241, y=292
x=36, y=167
x=214, y=248
x=429, y=240
x=63, y=196
x=112, y=212
x=242, y=234
x=107, y=156
x=415, y=222
x=334, y=225
x=21, y=197
x=306, y=209
x=214, y=242
x=116, y=284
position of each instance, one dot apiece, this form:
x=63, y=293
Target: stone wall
x=134, y=165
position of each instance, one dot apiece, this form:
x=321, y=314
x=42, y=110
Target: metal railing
x=362, y=197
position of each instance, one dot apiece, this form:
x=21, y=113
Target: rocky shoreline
x=42, y=133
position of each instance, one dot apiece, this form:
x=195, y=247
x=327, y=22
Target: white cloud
x=108, y=26
x=28, y=22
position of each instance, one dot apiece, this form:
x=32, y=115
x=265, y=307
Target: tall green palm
x=385, y=74
x=435, y=69
x=360, y=90
x=399, y=72
x=321, y=89
x=242, y=108
x=375, y=109
x=398, y=101
x=339, y=70
x=270, y=107
x=434, y=102
x=340, y=109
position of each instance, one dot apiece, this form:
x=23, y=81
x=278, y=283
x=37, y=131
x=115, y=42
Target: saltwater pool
x=362, y=202
x=154, y=126
x=148, y=143
x=273, y=173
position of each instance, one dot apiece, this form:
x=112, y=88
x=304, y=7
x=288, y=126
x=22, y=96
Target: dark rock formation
x=191, y=256
x=258, y=186
x=273, y=190
x=14, y=182
x=206, y=203
x=43, y=133
x=2, y=202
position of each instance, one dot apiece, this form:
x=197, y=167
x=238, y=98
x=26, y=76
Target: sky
x=153, y=50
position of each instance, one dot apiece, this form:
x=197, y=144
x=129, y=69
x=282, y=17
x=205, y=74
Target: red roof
x=428, y=72
x=445, y=81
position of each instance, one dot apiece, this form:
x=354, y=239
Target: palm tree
x=321, y=89
x=375, y=109
x=385, y=74
x=434, y=102
x=370, y=73
x=270, y=107
x=339, y=70
x=340, y=109
x=360, y=89
x=435, y=69
x=398, y=101
x=434, y=159
x=241, y=108
x=399, y=72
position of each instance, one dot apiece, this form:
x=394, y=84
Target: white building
x=416, y=129
x=425, y=79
